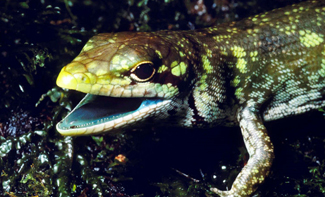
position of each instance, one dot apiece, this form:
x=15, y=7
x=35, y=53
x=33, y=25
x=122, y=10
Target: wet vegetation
x=37, y=38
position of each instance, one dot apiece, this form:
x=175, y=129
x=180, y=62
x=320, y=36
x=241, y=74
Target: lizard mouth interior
x=94, y=110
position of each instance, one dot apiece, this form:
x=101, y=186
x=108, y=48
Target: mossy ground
x=37, y=38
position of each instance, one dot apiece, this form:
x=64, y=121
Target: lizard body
x=244, y=73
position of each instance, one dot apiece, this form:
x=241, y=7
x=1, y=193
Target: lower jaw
x=99, y=114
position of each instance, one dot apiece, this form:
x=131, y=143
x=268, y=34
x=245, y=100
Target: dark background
x=38, y=37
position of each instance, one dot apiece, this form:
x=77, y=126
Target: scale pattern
x=263, y=68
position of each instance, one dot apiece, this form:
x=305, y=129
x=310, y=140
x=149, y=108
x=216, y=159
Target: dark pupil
x=144, y=71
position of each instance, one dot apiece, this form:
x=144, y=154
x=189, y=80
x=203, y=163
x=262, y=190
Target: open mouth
x=97, y=114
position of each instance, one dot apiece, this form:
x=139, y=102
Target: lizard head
x=128, y=77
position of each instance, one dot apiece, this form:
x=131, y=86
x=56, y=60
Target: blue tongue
x=93, y=108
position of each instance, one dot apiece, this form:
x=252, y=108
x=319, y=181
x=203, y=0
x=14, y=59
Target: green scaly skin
x=263, y=68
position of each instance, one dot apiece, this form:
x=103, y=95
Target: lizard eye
x=143, y=71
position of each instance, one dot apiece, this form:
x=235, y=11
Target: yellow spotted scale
x=263, y=68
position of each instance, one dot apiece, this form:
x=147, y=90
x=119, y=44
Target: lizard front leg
x=260, y=150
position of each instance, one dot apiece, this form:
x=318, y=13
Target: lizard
x=266, y=67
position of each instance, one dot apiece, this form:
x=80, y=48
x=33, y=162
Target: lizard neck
x=212, y=93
